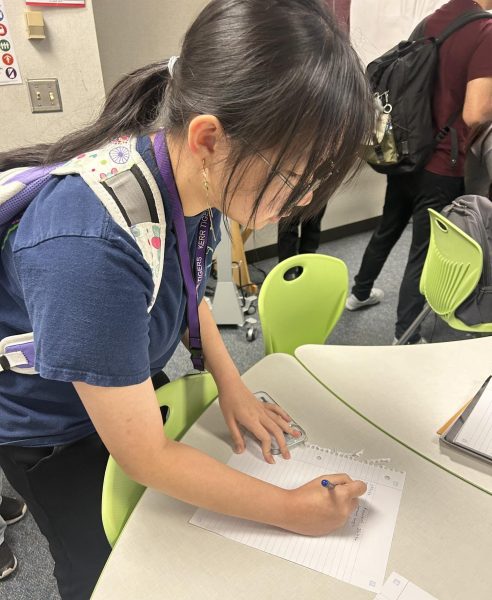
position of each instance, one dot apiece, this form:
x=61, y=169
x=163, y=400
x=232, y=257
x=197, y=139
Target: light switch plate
x=44, y=95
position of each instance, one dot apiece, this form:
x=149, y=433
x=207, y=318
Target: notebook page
x=399, y=588
x=476, y=432
x=357, y=553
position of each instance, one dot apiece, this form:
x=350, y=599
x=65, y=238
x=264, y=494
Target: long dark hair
x=280, y=75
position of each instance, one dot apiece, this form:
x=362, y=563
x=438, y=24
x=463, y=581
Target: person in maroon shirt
x=463, y=88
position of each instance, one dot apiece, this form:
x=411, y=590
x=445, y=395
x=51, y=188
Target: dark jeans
x=289, y=243
x=62, y=487
x=407, y=196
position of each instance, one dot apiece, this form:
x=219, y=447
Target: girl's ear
x=205, y=137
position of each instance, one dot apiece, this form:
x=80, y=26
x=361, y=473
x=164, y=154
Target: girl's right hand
x=317, y=510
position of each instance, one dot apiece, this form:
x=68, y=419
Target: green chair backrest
x=452, y=269
x=187, y=398
x=306, y=309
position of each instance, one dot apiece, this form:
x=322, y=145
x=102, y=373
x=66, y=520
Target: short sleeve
x=480, y=64
x=87, y=302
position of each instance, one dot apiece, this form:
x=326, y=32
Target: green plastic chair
x=186, y=398
x=452, y=269
x=303, y=310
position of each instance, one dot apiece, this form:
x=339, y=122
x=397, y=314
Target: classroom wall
x=132, y=34
x=69, y=53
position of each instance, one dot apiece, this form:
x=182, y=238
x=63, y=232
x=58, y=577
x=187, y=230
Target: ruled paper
x=357, y=553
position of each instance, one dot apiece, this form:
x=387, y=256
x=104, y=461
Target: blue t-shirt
x=76, y=279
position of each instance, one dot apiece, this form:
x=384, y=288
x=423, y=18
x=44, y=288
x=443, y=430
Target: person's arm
x=130, y=425
x=239, y=406
x=478, y=102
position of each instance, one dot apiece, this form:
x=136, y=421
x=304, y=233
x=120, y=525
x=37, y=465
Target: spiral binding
x=375, y=462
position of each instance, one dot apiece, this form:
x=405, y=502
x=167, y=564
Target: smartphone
x=290, y=440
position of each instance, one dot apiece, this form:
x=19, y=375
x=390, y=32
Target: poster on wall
x=57, y=3
x=9, y=67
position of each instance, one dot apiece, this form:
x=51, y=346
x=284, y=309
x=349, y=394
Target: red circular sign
x=8, y=59
x=3, y=29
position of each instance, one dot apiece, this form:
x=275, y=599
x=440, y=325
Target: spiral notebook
x=357, y=553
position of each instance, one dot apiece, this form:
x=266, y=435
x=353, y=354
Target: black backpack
x=403, y=81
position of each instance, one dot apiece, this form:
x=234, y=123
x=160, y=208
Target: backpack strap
x=123, y=182
x=446, y=129
x=18, y=187
x=460, y=22
x=419, y=32
x=17, y=354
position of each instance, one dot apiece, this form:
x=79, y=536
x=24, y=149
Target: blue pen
x=327, y=484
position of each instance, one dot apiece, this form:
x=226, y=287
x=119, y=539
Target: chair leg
x=413, y=327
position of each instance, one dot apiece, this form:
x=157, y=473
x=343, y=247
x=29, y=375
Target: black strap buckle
x=4, y=363
x=196, y=352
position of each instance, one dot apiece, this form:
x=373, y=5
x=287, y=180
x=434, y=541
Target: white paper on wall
x=378, y=25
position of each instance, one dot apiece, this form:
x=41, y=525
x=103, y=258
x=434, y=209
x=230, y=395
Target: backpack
x=478, y=163
x=473, y=215
x=123, y=182
x=402, y=81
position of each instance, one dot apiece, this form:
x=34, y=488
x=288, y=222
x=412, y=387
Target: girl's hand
x=317, y=510
x=240, y=407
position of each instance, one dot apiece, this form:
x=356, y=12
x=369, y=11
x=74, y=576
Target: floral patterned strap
x=98, y=168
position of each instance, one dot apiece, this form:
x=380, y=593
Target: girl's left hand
x=240, y=407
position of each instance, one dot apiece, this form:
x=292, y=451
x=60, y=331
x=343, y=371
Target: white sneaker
x=375, y=297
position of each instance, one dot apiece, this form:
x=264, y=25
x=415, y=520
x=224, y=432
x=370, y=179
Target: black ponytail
x=132, y=107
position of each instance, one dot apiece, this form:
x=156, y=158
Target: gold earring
x=204, y=175
x=207, y=192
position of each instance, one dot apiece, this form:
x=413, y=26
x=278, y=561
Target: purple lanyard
x=191, y=283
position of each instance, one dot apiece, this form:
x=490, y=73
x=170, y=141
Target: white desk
x=442, y=538
x=409, y=392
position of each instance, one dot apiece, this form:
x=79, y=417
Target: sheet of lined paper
x=357, y=553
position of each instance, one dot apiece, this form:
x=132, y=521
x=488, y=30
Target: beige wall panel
x=132, y=34
x=69, y=53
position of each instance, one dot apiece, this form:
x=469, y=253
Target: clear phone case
x=290, y=440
